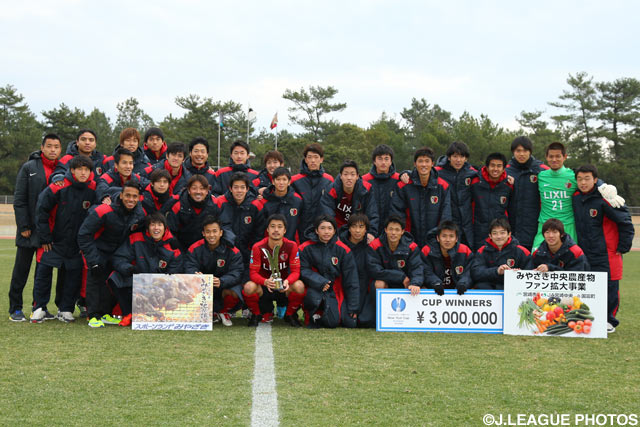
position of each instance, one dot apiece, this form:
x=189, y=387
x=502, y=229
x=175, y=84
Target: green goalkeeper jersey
x=556, y=189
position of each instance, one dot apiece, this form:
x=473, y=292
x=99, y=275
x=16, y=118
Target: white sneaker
x=610, y=328
x=225, y=318
x=65, y=316
x=38, y=316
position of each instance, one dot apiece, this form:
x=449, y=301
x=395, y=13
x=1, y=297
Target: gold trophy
x=274, y=265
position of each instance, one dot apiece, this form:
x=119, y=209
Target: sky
x=486, y=57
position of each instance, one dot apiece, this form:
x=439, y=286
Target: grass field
x=69, y=374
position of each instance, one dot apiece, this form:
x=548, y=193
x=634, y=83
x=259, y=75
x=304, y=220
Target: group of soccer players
x=307, y=242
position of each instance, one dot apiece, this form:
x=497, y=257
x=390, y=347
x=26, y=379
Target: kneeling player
x=501, y=252
x=260, y=292
x=329, y=271
x=558, y=251
x=215, y=255
x=394, y=258
x=151, y=251
x=447, y=262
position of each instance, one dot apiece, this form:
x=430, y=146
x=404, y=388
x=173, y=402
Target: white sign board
x=556, y=303
x=475, y=311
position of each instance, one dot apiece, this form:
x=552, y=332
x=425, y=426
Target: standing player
x=154, y=145
x=383, y=179
x=259, y=292
x=272, y=160
x=280, y=198
x=238, y=162
x=85, y=143
x=179, y=174
x=605, y=234
x=130, y=140
x=198, y=161
x=110, y=183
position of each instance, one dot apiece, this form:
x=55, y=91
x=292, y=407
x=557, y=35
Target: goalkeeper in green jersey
x=556, y=186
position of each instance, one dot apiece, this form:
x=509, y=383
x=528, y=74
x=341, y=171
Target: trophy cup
x=273, y=264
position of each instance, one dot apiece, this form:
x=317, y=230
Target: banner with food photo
x=172, y=302
x=557, y=303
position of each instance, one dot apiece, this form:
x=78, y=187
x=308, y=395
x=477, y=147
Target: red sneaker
x=267, y=318
x=126, y=320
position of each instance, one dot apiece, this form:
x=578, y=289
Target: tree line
x=598, y=121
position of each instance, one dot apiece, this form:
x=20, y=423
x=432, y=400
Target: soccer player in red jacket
x=259, y=292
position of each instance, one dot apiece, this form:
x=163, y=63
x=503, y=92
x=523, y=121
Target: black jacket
x=362, y=201
x=100, y=164
x=140, y=161
x=383, y=189
x=394, y=267
x=568, y=258
x=359, y=252
x=205, y=171
x=490, y=201
x=152, y=203
x=434, y=268
x=110, y=184
x=185, y=219
x=310, y=185
x=290, y=205
x=488, y=258
x=245, y=221
x=153, y=159
x=264, y=179
x=525, y=203
x=224, y=262
x=178, y=182
x=223, y=176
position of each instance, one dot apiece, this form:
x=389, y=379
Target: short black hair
x=211, y=219
x=358, y=218
x=159, y=173
x=156, y=216
x=313, y=148
x=176, y=147
x=588, y=169
x=448, y=225
x=153, y=132
x=80, y=161
x=324, y=218
x=458, y=147
x=81, y=131
x=239, y=143
x=496, y=156
x=240, y=176
x=382, y=150
x=424, y=151
x=132, y=184
x=281, y=171
x=500, y=222
x=277, y=217
x=349, y=164
x=121, y=152
x=51, y=136
x=553, y=224
x=556, y=146
x=198, y=178
x=522, y=141
x=275, y=155
x=199, y=140
x=394, y=219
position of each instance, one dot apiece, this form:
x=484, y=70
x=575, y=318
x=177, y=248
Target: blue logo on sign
x=398, y=304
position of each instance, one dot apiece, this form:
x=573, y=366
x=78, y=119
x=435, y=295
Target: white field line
x=264, y=408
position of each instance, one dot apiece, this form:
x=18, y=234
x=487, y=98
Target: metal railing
x=6, y=200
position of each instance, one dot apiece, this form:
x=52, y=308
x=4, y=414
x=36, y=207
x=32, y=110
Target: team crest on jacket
x=162, y=264
x=467, y=181
x=99, y=170
x=593, y=213
x=561, y=263
x=220, y=263
x=503, y=200
x=434, y=199
x=284, y=256
x=511, y=262
x=247, y=220
x=293, y=211
x=401, y=263
x=459, y=269
x=134, y=227
x=533, y=178
x=86, y=204
x=334, y=260
x=568, y=184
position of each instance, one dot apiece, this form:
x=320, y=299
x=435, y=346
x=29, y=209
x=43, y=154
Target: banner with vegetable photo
x=556, y=303
x=172, y=302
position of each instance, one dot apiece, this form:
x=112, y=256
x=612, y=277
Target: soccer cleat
x=47, y=315
x=65, y=316
x=17, y=316
x=108, y=319
x=254, y=320
x=610, y=328
x=267, y=318
x=38, y=316
x=246, y=313
x=216, y=317
x=281, y=311
x=225, y=318
x=293, y=320
x=95, y=323
x=126, y=320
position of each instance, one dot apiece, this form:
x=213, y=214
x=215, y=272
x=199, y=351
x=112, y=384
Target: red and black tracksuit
x=366, y=291
x=263, y=180
x=100, y=163
x=153, y=157
x=488, y=258
x=422, y=207
x=524, y=209
x=142, y=254
x=260, y=271
x=452, y=272
x=394, y=267
x=460, y=195
x=225, y=263
x=178, y=181
x=333, y=263
x=310, y=185
x=604, y=233
x=32, y=178
x=204, y=170
x=101, y=234
x=383, y=188
x=60, y=212
x=186, y=216
x=490, y=201
x=223, y=176
x=338, y=204
x=111, y=182
x=289, y=205
x=140, y=161
x=153, y=202
x=569, y=257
